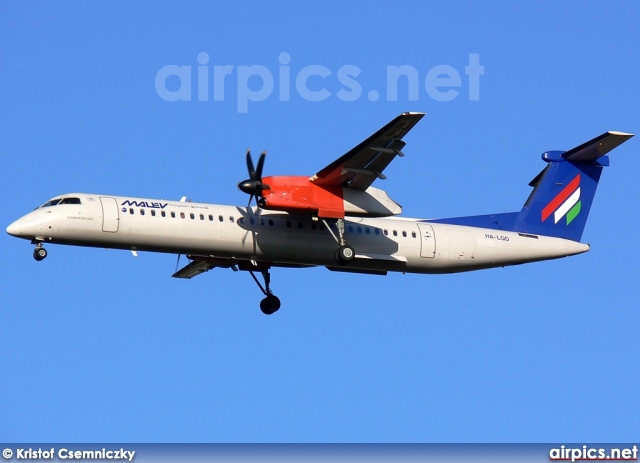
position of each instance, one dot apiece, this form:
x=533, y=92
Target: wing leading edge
x=359, y=167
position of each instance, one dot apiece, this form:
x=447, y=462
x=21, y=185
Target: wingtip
x=413, y=113
x=621, y=134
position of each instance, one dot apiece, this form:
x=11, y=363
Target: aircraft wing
x=197, y=267
x=384, y=261
x=359, y=167
x=200, y=265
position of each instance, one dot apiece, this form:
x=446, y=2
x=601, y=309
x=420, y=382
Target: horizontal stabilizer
x=599, y=146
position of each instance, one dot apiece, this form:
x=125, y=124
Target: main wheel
x=270, y=304
x=345, y=254
x=39, y=254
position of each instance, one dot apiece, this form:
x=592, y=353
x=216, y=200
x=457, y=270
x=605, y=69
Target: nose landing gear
x=39, y=253
x=270, y=304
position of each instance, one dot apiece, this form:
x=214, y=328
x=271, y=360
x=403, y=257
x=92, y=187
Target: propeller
x=253, y=186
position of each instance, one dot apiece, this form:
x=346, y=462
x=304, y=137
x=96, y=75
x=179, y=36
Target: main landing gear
x=39, y=253
x=345, y=253
x=270, y=304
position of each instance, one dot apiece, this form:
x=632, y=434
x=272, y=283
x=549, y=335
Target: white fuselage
x=211, y=230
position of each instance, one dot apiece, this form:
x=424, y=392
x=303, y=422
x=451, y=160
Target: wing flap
x=384, y=257
x=359, y=167
x=194, y=269
x=356, y=270
x=383, y=261
x=200, y=264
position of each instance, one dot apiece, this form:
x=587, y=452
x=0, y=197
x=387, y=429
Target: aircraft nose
x=15, y=228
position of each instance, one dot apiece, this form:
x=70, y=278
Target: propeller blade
x=253, y=186
x=260, y=166
x=250, y=167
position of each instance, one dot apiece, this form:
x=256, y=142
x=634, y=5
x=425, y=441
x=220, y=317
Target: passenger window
x=141, y=211
x=163, y=214
x=231, y=219
x=386, y=232
x=192, y=215
x=210, y=218
x=367, y=231
x=377, y=231
x=252, y=220
x=413, y=234
x=220, y=218
x=201, y=216
x=288, y=224
x=299, y=224
x=395, y=233
x=404, y=233
x=153, y=213
x=182, y=216
x=131, y=211
x=271, y=222
x=241, y=220
x=173, y=215
x=350, y=229
x=359, y=229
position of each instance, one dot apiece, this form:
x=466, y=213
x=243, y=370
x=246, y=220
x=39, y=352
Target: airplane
x=334, y=219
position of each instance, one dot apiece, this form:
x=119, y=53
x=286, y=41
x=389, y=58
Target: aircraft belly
x=296, y=248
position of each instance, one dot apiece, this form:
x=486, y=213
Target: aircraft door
x=427, y=240
x=110, y=214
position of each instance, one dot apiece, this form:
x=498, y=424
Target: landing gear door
x=427, y=240
x=110, y=215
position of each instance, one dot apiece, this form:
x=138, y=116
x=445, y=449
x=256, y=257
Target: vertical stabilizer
x=564, y=191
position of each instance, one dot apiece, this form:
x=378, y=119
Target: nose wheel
x=270, y=304
x=39, y=253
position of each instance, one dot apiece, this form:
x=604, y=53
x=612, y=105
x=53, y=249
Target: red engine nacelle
x=296, y=193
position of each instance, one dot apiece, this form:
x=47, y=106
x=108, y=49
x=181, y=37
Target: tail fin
x=564, y=190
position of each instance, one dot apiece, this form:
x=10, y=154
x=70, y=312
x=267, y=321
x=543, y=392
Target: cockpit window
x=55, y=202
x=70, y=201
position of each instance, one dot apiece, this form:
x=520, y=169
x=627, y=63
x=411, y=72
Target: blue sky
x=99, y=346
